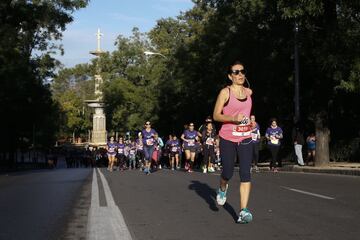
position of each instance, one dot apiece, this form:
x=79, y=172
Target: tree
x=26, y=29
x=70, y=88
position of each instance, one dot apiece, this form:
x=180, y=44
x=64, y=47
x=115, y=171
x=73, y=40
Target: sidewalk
x=344, y=168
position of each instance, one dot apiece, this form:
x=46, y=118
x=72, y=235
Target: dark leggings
x=256, y=153
x=274, y=149
x=209, y=154
x=228, y=153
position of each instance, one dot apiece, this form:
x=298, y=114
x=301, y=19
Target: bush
x=346, y=151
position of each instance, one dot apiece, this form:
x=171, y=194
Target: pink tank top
x=237, y=132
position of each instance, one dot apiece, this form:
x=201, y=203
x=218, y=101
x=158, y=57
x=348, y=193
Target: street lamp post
x=154, y=53
x=296, y=80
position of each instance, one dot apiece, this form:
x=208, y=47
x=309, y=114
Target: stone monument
x=98, y=136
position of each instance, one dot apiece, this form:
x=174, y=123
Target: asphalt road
x=178, y=205
x=86, y=204
x=44, y=204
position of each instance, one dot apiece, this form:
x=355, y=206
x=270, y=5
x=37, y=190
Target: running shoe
x=189, y=170
x=245, y=216
x=177, y=167
x=173, y=169
x=221, y=195
x=211, y=170
x=204, y=169
x=159, y=166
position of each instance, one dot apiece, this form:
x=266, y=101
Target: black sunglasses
x=237, y=72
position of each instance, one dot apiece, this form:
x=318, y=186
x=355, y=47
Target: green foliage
x=27, y=108
x=199, y=44
x=346, y=150
x=70, y=88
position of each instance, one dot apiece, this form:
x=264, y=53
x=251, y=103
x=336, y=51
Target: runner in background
x=174, y=146
x=166, y=153
x=148, y=140
x=208, y=143
x=190, y=136
x=208, y=119
x=158, y=145
x=274, y=134
x=140, y=151
x=255, y=135
x=111, y=153
x=132, y=155
x=121, y=154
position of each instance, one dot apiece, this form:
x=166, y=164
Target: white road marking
x=105, y=222
x=309, y=193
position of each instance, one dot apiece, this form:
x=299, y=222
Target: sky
x=113, y=17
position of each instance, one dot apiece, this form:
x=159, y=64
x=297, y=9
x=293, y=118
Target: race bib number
x=274, y=140
x=120, y=150
x=210, y=141
x=149, y=142
x=111, y=149
x=191, y=143
x=132, y=151
x=174, y=149
x=241, y=130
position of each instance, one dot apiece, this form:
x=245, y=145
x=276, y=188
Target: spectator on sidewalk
x=311, y=145
x=274, y=134
x=298, y=139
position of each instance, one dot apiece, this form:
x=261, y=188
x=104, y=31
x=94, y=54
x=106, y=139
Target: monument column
x=99, y=119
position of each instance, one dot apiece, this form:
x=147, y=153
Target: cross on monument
x=98, y=36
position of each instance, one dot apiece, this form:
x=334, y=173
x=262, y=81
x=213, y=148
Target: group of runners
x=149, y=152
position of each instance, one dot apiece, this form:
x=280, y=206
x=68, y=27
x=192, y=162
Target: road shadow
x=209, y=195
x=206, y=192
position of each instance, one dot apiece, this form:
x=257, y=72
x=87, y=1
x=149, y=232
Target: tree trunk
x=322, y=154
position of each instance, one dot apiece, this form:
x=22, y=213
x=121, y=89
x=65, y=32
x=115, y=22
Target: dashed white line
x=308, y=193
x=105, y=222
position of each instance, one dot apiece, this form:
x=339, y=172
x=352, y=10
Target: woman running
x=255, y=134
x=121, y=154
x=273, y=134
x=232, y=108
x=174, y=146
x=190, y=136
x=140, y=151
x=148, y=140
x=111, y=153
x=208, y=141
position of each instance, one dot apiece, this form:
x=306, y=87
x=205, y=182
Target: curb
x=342, y=171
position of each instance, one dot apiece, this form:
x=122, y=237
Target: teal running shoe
x=245, y=216
x=221, y=196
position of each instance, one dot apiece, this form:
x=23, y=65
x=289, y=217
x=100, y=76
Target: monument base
x=98, y=138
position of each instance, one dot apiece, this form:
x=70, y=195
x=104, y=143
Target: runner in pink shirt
x=233, y=108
